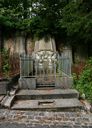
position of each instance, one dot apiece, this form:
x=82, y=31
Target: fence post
x=20, y=66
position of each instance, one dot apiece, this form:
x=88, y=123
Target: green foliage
x=75, y=80
x=13, y=12
x=5, y=62
x=77, y=21
x=84, y=84
x=63, y=19
x=39, y=17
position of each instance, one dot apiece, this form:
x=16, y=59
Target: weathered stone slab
x=47, y=94
x=48, y=104
x=13, y=91
x=3, y=87
x=64, y=82
x=1, y=97
x=27, y=83
x=7, y=101
x=43, y=45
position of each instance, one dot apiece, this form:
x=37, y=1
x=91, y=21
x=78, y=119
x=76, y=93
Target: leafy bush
x=84, y=84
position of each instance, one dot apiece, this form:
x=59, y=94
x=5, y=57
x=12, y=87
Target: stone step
x=48, y=104
x=1, y=98
x=7, y=101
x=47, y=94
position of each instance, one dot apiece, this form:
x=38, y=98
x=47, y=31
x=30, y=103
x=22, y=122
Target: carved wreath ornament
x=47, y=57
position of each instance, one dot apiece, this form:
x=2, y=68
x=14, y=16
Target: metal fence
x=46, y=72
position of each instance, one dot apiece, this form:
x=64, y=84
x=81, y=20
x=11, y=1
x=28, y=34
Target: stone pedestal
x=64, y=82
x=3, y=87
x=27, y=83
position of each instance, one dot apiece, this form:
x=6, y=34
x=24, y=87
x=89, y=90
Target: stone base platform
x=48, y=104
x=49, y=93
x=49, y=99
x=44, y=99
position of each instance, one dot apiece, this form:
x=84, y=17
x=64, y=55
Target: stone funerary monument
x=45, y=67
x=45, y=81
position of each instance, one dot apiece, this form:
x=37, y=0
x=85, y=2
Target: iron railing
x=31, y=67
x=45, y=72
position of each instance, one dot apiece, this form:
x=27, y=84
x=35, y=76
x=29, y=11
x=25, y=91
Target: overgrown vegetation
x=38, y=17
x=68, y=20
x=5, y=62
x=84, y=84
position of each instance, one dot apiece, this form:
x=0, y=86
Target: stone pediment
x=43, y=45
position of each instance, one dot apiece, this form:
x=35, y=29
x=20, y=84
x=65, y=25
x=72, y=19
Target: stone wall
x=81, y=54
x=17, y=45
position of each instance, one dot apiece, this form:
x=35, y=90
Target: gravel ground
x=44, y=119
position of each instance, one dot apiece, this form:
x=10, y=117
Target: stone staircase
x=46, y=99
